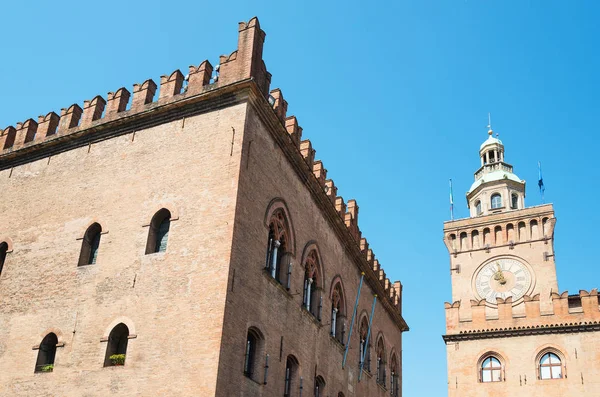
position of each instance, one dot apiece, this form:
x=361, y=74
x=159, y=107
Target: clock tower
x=508, y=329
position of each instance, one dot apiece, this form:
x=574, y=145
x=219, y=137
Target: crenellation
x=295, y=131
x=319, y=172
x=376, y=266
x=8, y=137
x=47, y=125
x=198, y=77
x=26, y=132
x=69, y=118
x=143, y=94
x=364, y=246
x=170, y=85
x=370, y=257
x=340, y=206
x=117, y=101
x=331, y=190
x=351, y=220
x=280, y=105
x=92, y=110
x=307, y=152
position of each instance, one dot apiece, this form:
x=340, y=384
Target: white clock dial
x=502, y=278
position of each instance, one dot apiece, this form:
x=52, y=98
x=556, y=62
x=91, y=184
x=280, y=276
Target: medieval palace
x=187, y=242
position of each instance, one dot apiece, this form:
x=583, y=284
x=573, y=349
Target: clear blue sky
x=394, y=96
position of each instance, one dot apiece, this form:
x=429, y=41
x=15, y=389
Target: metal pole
x=362, y=276
x=367, y=340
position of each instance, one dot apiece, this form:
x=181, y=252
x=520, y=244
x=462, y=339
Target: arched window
x=116, y=349
x=478, y=207
x=46, y=354
x=395, y=377
x=252, y=355
x=90, y=245
x=3, y=251
x=365, y=345
x=491, y=370
x=522, y=232
x=475, y=239
x=319, y=386
x=337, y=313
x=550, y=366
x=498, y=235
x=291, y=375
x=534, y=234
x=452, y=241
x=514, y=201
x=277, y=248
x=463, y=241
x=159, y=232
x=496, y=201
x=313, y=301
x=381, y=374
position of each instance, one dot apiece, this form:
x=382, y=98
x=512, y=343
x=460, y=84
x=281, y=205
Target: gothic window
x=550, y=366
x=116, y=349
x=337, y=313
x=365, y=345
x=90, y=245
x=251, y=356
x=291, y=375
x=319, y=386
x=514, y=201
x=496, y=201
x=394, y=377
x=277, y=248
x=491, y=370
x=46, y=354
x=158, y=235
x=3, y=251
x=478, y=207
x=381, y=373
x=313, y=302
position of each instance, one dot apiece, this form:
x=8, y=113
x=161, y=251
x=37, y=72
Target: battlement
x=500, y=230
x=31, y=140
x=565, y=310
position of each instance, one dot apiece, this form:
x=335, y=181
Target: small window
x=158, y=234
x=381, y=373
x=46, y=354
x=337, y=313
x=312, y=301
x=319, y=386
x=496, y=201
x=365, y=346
x=291, y=374
x=250, y=357
x=116, y=350
x=478, y=207
x=491, y=370
x=395, y=376
x=90, y=245
x=277, y=247
x=550, y=366
x=3, y=251
x=514, y=201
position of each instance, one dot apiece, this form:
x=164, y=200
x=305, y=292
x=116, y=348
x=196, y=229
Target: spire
x=490, y=131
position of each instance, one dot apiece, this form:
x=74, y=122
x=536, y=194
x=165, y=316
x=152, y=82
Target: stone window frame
x=278, y=223
x=558, y=353
x=60, y=343
x=312, y=264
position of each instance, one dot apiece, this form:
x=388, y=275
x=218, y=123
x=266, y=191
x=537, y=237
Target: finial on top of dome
x=490, y=132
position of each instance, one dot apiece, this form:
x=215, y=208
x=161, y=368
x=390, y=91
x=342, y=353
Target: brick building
x=187, y=245
x=509, y=332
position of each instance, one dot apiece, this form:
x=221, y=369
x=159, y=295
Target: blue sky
x=394, y=96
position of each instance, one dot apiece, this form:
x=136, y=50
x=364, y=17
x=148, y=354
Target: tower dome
x=496, y=188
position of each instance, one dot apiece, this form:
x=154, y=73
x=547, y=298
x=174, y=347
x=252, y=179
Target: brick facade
x=220, y=158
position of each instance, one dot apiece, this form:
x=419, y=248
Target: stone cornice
x=524, y=331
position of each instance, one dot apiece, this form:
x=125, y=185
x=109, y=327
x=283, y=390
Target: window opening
x=491, y=370
x=496, y=201
x=550, y=367
x=116, y=350
x=46, y=354
x=90, y=245
x=158, y=235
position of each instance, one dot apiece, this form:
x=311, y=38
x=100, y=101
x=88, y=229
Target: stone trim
x=523, y=331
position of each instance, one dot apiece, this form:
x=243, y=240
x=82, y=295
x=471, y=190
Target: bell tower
x=504, y=249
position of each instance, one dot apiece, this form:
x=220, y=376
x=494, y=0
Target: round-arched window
x=491, y=370
x=550, y=366
x=478, y=207
x=496, y=200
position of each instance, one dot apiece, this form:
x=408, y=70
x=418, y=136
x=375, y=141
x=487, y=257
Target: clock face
x=502, y=278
